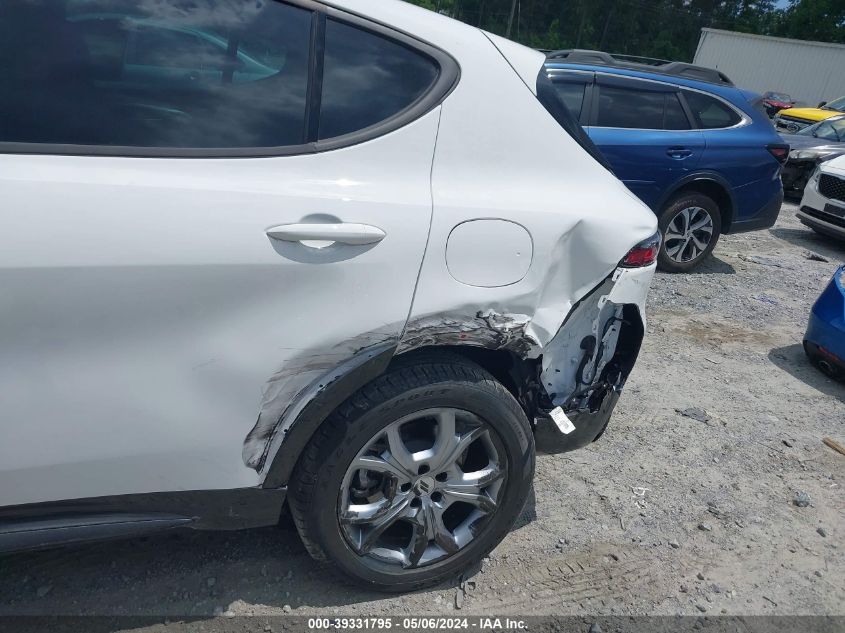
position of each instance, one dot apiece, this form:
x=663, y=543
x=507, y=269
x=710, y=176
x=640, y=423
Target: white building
x=810, y=72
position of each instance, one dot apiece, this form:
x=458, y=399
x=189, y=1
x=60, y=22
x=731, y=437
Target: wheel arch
x=710, y=184
x=505, y=366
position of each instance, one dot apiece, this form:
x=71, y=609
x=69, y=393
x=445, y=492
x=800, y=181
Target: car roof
x=724, y=90
x=643, y=64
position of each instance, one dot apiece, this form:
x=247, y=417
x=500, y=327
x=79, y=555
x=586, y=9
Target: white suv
x=823, y=204
x=344, y=257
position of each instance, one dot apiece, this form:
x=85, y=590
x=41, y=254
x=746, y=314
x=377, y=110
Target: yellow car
x=793, y=120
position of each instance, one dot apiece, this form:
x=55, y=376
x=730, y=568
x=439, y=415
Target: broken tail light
x=780, y=152
x=643, y=254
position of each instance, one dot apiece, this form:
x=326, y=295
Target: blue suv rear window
x=711, y=113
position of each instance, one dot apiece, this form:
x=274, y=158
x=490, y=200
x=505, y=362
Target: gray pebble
x=674, y=544
x=43, y=591
x=705, y=527
x=801, y=499
x=701, y=608
x=821, y=531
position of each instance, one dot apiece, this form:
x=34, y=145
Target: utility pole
x=510, y=19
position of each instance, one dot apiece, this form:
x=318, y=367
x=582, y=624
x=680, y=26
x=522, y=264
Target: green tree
x=822, y=20
x=667, y=29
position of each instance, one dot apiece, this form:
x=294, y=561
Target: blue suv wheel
x=671, y=131
x=691, y=225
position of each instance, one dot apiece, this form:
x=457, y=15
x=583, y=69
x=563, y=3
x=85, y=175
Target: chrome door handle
x=344, y=233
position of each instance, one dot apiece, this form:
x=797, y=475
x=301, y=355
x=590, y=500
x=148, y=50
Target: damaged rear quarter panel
x=581, y=219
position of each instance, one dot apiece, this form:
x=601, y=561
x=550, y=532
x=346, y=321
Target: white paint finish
x=809, y=71
x=525, y=61
x=631, y=287
x=144, y=309
x=148, y=320
x=510, y=159
x=489, y=253
x=341, y=233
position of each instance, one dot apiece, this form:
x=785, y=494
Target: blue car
x=824, y=341
x=699, y=151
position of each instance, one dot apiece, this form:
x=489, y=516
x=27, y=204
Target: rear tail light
x=780, y=152
x=643, y=254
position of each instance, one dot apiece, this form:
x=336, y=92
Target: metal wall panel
x=809, y=71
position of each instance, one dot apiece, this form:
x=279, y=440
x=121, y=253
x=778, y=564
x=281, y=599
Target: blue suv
x=699, y=151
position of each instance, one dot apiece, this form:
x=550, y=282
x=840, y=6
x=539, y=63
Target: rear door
x=153, y=293
x=574, y=88
x=645, y=133
x=737, y=149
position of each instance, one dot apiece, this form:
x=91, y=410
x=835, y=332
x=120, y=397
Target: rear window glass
x=711, y=113
x=572, y=95
x=368, y=79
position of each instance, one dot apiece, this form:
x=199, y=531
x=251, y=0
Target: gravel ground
x=665, y=515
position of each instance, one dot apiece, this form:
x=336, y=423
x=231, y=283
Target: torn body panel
x=302, y=379
x=587, y=364
x=582, y=370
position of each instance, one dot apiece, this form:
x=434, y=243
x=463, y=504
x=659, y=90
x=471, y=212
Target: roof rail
x=648, y=64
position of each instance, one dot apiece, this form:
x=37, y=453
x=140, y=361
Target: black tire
x=688, y=200
x=412, y=384
x=823, y=364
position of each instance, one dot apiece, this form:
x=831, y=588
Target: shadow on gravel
x=793, y=361
x=713, y=266
x=829, y=247
x=187, y=574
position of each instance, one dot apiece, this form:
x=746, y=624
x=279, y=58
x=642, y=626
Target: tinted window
x=831, y=130
x=711, y=113
x=168, y=73
x=676, y=118
x=572, y=95
x=368, y=79
x=625, y=108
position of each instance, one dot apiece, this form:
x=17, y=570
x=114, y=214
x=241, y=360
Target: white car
x=823, y=204
x=357, y=287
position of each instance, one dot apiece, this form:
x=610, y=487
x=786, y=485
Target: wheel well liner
x=711, y=185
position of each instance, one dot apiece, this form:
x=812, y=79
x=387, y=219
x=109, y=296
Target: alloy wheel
x=688, y=234
x=422, y=489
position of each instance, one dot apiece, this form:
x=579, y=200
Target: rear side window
x=211, y=77
x=711, y=113
x=164, y=74
x=368, y=79
x=572, y=95
x=676, y=118
x=640, y=109
x=625, y=108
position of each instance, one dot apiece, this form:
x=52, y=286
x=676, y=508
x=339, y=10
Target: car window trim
x=744, y=118
x=569, y=76
x=679, y=89
x=447, y=79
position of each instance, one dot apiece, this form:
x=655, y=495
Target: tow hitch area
x=586, y=365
